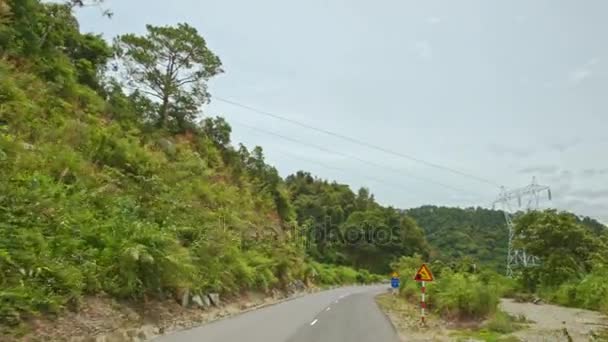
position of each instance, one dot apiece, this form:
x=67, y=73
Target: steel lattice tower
x=531, y=193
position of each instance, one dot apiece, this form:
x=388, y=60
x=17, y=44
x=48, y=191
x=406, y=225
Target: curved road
x=344, y=314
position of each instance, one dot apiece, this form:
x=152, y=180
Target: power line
x=322, y=148
x=358, y=142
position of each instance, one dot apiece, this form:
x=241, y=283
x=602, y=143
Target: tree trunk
x=164, y=117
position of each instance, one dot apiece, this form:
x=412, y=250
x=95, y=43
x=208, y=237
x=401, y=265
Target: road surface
x=347, y=314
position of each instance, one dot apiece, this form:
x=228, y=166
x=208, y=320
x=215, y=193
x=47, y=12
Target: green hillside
x=105, y=190
x=454, y=233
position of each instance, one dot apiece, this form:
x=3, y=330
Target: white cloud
x=433, y=20
x=423, y=49
x=583, y=72
x=579, y=75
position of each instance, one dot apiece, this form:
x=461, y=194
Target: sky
x=500, y=90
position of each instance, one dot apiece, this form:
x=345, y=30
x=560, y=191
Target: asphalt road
x=344, y=314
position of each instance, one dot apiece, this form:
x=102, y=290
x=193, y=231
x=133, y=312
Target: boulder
x=206, y=301
x=185, y=298
x=197, y=301
x=214, y=298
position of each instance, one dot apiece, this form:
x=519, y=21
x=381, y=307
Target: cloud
x=433, y=20
x=541, y=169
x=504, y=151
x=583, y=72
x=582, y=207
x=594, y=172
x=423, y=49
x=563, y=146
x=589, y=193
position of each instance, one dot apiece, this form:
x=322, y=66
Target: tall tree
x=566, y=248
x=172, y=66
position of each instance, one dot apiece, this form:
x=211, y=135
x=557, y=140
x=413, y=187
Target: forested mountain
x=352, y=229
x=477, y=233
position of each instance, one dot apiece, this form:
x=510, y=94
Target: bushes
x=332, y=275
x=463, y=296
x=502, y=323
x=590, y=293
x=454, y=294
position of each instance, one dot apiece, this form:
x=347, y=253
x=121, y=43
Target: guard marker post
x=423, y=275
x=423, y=303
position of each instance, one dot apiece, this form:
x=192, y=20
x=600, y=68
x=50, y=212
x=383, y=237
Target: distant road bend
x=347, y=314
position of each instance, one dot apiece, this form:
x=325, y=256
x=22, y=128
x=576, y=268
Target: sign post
x=395, y=282
x=423, y=275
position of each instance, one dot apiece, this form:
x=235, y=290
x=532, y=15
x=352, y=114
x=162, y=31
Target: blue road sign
x=395, y=283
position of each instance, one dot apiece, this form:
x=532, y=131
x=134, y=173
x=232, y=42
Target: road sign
x=423, y=274
x=395, y=282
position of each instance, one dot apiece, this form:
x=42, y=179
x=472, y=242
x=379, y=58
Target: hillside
x=106, y=188
x=476, y=233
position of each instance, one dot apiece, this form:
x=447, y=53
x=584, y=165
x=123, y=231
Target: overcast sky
x=503, y=90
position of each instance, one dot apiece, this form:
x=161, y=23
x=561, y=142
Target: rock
x=214, y=298
x=276, y=294
x=185, y=298
x=146, y=332
x=131, y=333
x=206, y=301
x=197, y=301
x=300, y=286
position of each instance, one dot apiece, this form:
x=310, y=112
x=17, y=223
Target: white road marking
x=313, y=322
x=327, y=308
x=336, y=301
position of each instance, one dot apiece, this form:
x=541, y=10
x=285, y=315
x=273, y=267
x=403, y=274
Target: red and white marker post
x=423, y=302
x=423, y=275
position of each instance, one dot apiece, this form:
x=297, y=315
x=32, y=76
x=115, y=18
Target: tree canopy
x=171, y=65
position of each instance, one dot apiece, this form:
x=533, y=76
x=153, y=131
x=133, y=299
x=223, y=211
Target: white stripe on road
x=313, y=322
x=327, y=308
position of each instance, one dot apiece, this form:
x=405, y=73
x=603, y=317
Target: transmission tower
x=531, y=195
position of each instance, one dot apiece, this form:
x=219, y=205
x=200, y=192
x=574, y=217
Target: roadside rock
x=185, y=298
x=198, y=301
x=206, y=301
x=214, y=298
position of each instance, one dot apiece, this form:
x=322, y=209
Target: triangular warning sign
x=423, y=274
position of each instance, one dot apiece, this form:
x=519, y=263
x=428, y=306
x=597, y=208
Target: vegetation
x=109, y=189
x=457, y=292
x=574, y=254
x=122, y=186
x=454, y=233
x=351, y=229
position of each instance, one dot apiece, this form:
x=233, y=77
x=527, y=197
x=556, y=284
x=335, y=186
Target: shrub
x=463, y=296
x=502, y=323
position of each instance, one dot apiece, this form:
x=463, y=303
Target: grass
x=497, y=328
x=484, y=335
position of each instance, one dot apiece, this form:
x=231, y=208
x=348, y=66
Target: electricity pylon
x=531, y=193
